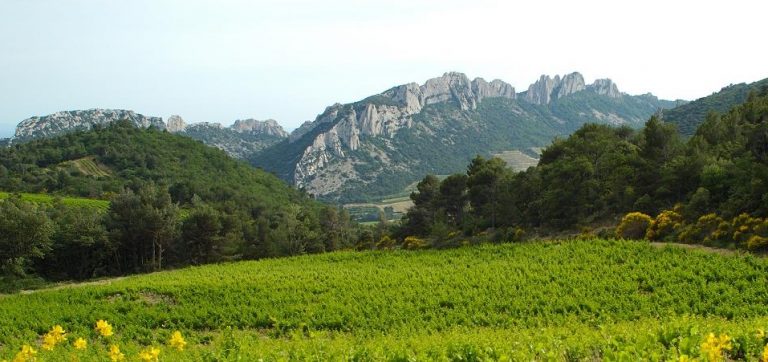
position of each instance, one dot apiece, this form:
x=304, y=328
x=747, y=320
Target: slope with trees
x=689, y=116
x=716, y=180
x=172, y=202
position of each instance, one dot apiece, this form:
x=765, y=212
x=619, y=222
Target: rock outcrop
x=384, y=115
x=241, y=140
x=175, y=124
x=547, y=89
x=68, y=121
x=605, y=87
x=268, y=127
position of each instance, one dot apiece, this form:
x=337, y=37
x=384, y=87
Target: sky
x=222, y=60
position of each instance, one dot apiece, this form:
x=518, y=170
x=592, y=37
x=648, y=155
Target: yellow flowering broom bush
x=633, y=226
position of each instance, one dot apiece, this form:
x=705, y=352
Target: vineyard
x=87, y=166
x=570, y=300
x=69, y=201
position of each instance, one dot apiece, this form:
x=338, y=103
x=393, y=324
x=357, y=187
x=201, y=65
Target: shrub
x=743, y=227
x=413, y=242
x=385, y=243
x=664, y=226
x=509, y=235
x=633, y=226
x=586, y=233
x=757, y=242
x=707, y=229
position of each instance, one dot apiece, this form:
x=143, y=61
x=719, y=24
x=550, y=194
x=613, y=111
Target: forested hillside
x=172, y=201
x=123, y=155
x=710, y=189
x=689, y=116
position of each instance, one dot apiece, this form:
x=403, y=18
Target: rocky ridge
x=547, y=89
x=384, y=115
x=360, y=143
x=240, y=140
x=68, y=121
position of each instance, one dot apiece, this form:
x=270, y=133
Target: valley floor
x=569, y=300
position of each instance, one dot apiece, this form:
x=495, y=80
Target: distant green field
x=517, y=160
x=87, y=166
x=70, y=201
x=572, y=300
x=399, y=202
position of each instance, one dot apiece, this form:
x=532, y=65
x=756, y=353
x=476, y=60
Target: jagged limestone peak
x=268, y=127
x=175, y=124
x=605, y=87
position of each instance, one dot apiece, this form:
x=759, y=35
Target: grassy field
x=571, y=300
x=400, y=202
x=70, y=201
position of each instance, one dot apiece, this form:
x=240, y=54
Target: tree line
x=599, y=173
x=145, y=230
x=173, y=202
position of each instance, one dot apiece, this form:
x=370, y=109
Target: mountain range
x=376, y=147
x=240, y=140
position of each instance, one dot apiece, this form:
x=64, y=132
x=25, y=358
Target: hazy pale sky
x=221, y=60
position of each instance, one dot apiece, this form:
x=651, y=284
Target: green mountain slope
x=102, y=162
x=689, y=116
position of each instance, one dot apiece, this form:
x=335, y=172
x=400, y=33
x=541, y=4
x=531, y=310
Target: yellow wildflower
x=80, y=343
x=27, y=353
x=58, y=333
x=714, y=346
x=49, y=341
x=765, y=354
x=177, y=341
x=104, y=328
x=114, y=353
x=150, y=354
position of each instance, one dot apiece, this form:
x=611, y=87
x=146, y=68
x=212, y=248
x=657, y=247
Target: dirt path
x=69, y=285
x=708, y=249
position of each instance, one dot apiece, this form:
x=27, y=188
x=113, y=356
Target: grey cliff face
x=268, y=127
x=547, y=89
x=68, y=121
x=383, y=115
x=570, y=84
x=241, y=140
x=605, y=87
x=348, y=146
x=541, y=91
x=175, y=124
